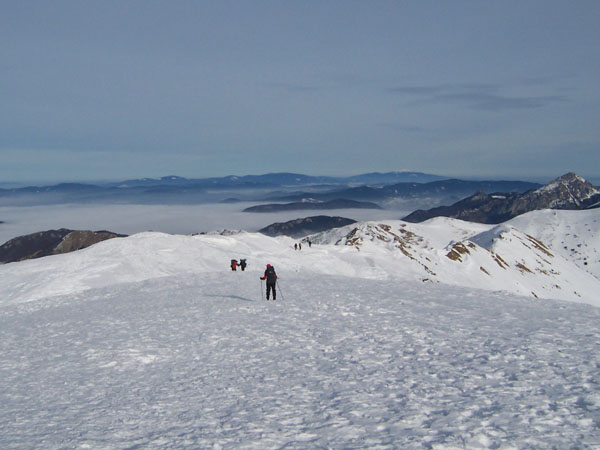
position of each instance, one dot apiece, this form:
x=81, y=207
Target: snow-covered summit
x=569, y=189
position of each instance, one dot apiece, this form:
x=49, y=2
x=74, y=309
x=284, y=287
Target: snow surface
x=152, y=342
x=442, y=250
x=495, y=257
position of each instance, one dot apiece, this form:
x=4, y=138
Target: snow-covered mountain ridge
x=544, y=254
x=500, y=257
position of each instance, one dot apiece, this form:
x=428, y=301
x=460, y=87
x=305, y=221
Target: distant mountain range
x=303, y=227
x=339, y=203
x=283, y=179
x=179, y=190
x=446, y=188
x=292, y=191
x=51, y=242
x=567, y=192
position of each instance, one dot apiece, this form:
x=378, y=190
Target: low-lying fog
x=176, y=219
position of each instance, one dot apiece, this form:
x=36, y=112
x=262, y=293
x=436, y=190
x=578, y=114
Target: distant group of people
x=298, y=245
x=235, y=264
x=270, y=276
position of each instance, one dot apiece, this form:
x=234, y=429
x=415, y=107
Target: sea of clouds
x=175, y=219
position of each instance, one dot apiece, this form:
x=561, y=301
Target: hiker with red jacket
x=271, y=278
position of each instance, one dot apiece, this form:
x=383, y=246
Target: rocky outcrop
x=567, y=192
x=51, y=242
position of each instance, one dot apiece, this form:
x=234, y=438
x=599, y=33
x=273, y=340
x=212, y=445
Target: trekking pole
x=261, y=291
x=280, y=291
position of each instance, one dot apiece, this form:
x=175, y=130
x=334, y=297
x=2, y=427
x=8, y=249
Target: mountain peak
x=567, y=189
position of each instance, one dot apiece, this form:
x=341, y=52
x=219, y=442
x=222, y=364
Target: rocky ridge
x=501, y=257
x=569, y=191
x=51, y=242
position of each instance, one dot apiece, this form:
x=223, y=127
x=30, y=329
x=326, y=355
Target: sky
x=119, y=89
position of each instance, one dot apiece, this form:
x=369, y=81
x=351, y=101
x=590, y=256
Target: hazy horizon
x=595, y=179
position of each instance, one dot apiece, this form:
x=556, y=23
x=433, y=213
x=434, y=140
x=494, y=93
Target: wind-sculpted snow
x=197, y=360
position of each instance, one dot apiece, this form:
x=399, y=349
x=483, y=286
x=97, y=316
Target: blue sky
x=111, y=90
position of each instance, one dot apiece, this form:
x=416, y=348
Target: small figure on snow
x=295, y=246
x=271, y=278
x=299, y=245
x=234, y=264
x=243, y=264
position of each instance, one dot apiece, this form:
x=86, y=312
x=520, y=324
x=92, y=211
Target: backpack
x=270, y=274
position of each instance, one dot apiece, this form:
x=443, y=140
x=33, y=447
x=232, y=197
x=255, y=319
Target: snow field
x=199, y=361
x=441, y=250
x=152, y=341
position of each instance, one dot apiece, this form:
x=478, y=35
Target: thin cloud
x=492, y=102
x=479, y=96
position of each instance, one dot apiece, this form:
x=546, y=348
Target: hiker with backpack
x=243, y=264
x=234, y=265
x=271, y=278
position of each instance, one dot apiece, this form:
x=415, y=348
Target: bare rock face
x=51, y=242
x=567, y=192
x=76, y=240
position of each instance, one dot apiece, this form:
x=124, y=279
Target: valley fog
x=175, y=219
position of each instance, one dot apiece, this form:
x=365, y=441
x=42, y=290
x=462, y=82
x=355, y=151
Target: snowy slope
x=199, y=361
x=573, y=234
x=441, y=250
x=496, y=257
x=151, y=341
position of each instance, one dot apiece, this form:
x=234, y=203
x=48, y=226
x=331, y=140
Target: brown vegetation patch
x=457, y=250
x=500, y=261
x=523, y=268
x=540, y=246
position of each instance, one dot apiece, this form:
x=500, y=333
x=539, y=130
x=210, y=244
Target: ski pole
x=261, y=290
x=280, y=291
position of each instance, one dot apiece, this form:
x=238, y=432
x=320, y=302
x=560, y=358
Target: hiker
x=295, y=246
x=309, y=244
x=300, y=246
x=234, y=265
x=271, y=278
x=243, y=264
